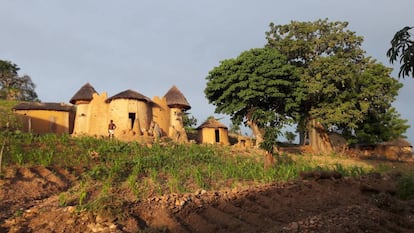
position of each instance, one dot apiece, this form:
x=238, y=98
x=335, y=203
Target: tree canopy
x=402, y=47
x=13, y=86
x=314, y=74
x=339, y=86
x=256, y=88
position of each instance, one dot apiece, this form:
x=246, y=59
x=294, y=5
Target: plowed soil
x=29, y=202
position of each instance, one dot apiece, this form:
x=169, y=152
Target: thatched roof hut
x=85, y=93
x=212, y=131
x=129, y=94
x=176, y=99
x=212, y=123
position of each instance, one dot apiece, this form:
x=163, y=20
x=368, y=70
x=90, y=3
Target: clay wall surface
x=98, y=115
x=136, y=120
x=81, y=119
x=44, y=121
x=224, y=136
x=161, y=114
x=130, y=116
x=208, y=135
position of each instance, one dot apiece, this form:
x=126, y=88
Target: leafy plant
x=405, y=187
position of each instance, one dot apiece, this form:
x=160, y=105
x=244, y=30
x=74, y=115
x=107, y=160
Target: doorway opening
x=217, y=134
x=131, y=117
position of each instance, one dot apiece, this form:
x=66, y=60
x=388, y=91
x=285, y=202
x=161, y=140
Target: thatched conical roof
x=212, y=123
x=62, y=107
x=85, y=93
x=129, y=94
x=176, y=99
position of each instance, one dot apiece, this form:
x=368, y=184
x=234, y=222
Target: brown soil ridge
x=364, y=204
x=321, y=205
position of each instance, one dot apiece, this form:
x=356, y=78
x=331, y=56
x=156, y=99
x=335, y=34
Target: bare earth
x=29, y=202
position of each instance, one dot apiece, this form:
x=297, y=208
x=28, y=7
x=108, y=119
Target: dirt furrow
x=198, y=224
x=48, y=175
x=226, y=222
x=249, y=217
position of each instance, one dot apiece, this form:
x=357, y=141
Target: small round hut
x=213, y=132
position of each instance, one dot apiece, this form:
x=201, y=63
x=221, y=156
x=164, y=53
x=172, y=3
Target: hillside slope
x=30, y=201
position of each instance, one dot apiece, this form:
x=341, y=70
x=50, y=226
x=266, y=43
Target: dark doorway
x=217, y=133
x=131, y=117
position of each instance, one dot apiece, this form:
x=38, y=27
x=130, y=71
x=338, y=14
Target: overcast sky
x=148, y=46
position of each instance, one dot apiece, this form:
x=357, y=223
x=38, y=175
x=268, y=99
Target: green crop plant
x=19, y=158
x=405, y=187
x=82, y=197
x=199, y=179
x=62, y=199
x=133, y=185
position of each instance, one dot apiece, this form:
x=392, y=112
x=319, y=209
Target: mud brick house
x=213, y=132
x=137, y=117
x=46, y=117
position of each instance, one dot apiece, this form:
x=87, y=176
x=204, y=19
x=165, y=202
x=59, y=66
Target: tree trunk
x=269, y=160
x=257, y=132
x=318, y=138
x=302, y=137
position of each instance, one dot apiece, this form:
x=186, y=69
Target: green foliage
x=62, y=199
x=189, y=121
x=270, y=137
x=290, y=136
x=119, y=167
x=8, y=119
x=402, y=47
x=235, y=129
x=14, y=87
x=339, y=86
x=305, y=42
x=353, y=171
x=405, y=187
x=257, y=85
x=308, y=70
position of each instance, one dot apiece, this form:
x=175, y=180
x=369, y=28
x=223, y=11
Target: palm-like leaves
x=402, y=46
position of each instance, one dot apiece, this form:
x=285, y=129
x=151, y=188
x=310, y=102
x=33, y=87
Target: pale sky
x=150, y=45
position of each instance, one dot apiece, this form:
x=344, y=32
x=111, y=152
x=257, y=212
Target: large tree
x=13, y=86
x=333, y=90
x=256, y=88
x=402, y=47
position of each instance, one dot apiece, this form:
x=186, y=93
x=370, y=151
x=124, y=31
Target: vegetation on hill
x=13, y=86
x=7, y=117
x=112, y=172
x=314, y=74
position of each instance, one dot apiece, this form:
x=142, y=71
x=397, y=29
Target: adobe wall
x=208, y=135
x=81, y=119
x=176, y=129
x=130, y=115
x=44, y=121
x=161, y=114
x=98, y=115
x=224, y=136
